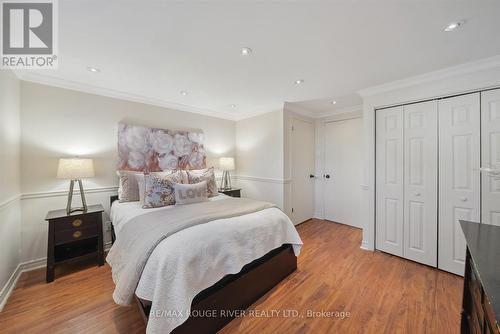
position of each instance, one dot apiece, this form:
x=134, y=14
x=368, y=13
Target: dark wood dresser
x=74, y=237
x=481, y=300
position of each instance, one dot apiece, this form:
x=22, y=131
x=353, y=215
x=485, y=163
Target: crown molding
x=116, y=94
x=290, y=106
x=341, y=111
x=471, y=67
x=314, y=115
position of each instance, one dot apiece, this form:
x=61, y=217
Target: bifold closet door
x=490, y=146
x=420, y=182
x=389, y=180
x=459, y=179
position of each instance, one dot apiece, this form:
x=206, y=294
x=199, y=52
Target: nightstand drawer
x=76, y=222
x=74, y=234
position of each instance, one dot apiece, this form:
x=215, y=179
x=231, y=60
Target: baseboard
x=25, y=267
x=9, y=286
x=318, y=215
x=366, y=246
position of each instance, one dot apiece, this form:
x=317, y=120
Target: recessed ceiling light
x=93, y=69
x=184, y=93
x=333, y=102
x=453, y=26
x=246, y=51
x=299, y=81
x=233, y=106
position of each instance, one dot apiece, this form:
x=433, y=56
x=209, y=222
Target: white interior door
x=302, y=152
x=490, y=146
x=344, y=166
x=420, y=182
x=459, y=179
x=389, y=180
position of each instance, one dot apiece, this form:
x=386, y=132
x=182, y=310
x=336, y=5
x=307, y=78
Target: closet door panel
x=459, y=178
x=389, y=180
x=420, y=182
x=490, y=155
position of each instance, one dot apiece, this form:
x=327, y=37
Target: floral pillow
x=199, y=175
x=159, y=189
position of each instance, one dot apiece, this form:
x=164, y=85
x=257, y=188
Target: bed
x=207, y=272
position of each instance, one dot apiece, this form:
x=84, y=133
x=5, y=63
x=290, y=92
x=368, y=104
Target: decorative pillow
x=159, y=189
x=190, y=193
x=198, y=175
x=128, y=189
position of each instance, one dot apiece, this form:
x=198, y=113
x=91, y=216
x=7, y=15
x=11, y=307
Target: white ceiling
x=155, y=49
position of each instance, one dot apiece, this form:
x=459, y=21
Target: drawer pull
x=77, y=234
x=77, y=222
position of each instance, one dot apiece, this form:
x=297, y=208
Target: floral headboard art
x=153, y=150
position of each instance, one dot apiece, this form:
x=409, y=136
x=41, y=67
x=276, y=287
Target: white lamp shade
x=226, y=163
x=75, y=168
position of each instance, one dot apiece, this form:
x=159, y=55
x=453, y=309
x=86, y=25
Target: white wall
x=459, y=79
x=10, y=215
x=260, y=157
x=60, y=123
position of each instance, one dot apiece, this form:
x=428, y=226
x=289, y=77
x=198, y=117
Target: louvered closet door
x=490, y=145
x=389, y=180
x=420, y=182
x=459, y=179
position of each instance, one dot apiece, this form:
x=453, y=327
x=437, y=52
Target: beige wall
x=10, y=215
x=58, y=122
x=260, y=158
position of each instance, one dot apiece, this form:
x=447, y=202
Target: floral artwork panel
x=153, y=150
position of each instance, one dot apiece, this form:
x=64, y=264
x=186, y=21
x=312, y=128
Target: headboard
x=152, y=150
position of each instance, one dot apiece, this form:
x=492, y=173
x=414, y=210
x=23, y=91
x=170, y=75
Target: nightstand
x=234, y=192
x=74, y=237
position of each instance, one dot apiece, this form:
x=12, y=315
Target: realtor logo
x=29, y=34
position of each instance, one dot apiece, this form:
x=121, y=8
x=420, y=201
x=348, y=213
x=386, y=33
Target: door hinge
x=292, y=128
x=292, y=210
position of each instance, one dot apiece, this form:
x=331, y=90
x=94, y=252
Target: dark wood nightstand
x=234, y=192
x=74, y=237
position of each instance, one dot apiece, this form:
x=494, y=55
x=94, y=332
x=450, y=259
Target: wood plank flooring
x=382, y=293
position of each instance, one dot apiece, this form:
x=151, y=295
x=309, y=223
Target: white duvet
x=191, y=260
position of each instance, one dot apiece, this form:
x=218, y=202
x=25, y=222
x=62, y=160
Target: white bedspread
x=191, y=260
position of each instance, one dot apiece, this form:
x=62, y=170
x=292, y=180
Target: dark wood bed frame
x=233, y=293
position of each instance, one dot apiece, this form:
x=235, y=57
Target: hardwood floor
x=382, y=293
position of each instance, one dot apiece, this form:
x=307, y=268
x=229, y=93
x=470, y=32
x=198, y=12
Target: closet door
x=389, y=180
x=420, y=182
x=459, y=179
x=490, y=145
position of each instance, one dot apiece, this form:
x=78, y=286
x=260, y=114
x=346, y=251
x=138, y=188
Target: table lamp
x=75, y=169
x=226, y=165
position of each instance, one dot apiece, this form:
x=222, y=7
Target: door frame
x=319, y=180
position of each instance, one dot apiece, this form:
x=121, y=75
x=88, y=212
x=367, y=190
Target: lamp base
x=225, y=183
x=69, y=209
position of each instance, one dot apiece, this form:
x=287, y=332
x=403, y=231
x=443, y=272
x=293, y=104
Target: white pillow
x=190, y=193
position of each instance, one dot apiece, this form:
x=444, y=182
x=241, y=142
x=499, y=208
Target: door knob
x=311, y=176
x=417, y=194
x=463, y=199
x=327, y=176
